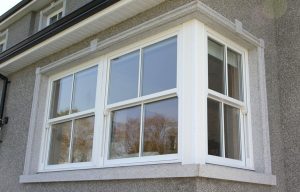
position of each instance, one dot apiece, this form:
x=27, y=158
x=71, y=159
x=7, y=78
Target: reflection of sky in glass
x=235, y=85
x=160, y=66
x=84, y=92
x=61, y=96
x=167, y=108
x=216, y=79
x=122, y=116
x=124, y=73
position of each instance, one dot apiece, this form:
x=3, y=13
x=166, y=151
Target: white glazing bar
x=222, y=123
x=225, y=71
x=140, y=74
x=71, y=142
x=72, y=94
x=141, y=148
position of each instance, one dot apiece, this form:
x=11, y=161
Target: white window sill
x=152, y=172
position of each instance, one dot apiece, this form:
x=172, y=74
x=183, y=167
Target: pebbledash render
x=156, y=95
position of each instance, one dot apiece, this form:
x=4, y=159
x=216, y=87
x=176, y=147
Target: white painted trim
x=32, y=122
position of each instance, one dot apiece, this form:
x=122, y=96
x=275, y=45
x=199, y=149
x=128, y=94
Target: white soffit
x=86, y=28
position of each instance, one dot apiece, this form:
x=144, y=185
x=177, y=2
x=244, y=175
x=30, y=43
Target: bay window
x=139, y=105
x=142, y=102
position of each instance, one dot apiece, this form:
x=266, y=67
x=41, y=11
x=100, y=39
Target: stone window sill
x=152, y=172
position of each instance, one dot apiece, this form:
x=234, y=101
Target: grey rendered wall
x=20, y=30
x=288, y=45
x=72, y=5
x=257, y=18
x=29, y=24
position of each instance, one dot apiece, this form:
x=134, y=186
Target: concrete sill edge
x=153, y=172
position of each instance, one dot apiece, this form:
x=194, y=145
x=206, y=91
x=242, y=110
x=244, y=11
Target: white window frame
x=47, y=13
x=102, y=112
x=54, y=14
x=3, y=40
x=141, y=101
x=246, y=146
x=47, y=121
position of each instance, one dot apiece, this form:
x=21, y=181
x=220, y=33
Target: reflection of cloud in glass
x=84, y=92
x=124, y=72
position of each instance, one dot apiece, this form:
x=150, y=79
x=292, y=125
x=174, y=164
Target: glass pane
x=84, y=92
x=60, y=143
x=61, y=97
x=124, y=77
x=59, y=15
x=1, y=47
x=235, y=84
x=125, y=133
x=232, y=132
x=216, y=67
x=161, y=127
x=53, y=19
x=214, y=128
x=83, y=133
x=160, y=66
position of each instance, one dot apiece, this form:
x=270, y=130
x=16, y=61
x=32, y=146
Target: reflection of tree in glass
x=125, y=138
x=160, y=135
x=83, y=139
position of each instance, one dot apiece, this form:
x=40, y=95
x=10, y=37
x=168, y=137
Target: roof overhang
x=112, y=15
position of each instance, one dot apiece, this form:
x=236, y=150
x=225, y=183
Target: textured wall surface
x=288, y=45
x=72, y=5
x=19, y=30
x=258, y=17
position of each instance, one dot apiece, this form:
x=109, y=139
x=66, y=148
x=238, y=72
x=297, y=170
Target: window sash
x=55, y=14
x=225, y=99
x=140, y=100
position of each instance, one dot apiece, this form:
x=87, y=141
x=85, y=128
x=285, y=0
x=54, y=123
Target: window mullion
x=71, y=142
x=225, y=71
x=72, y=94
x=140, y=73
x=222, y=130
